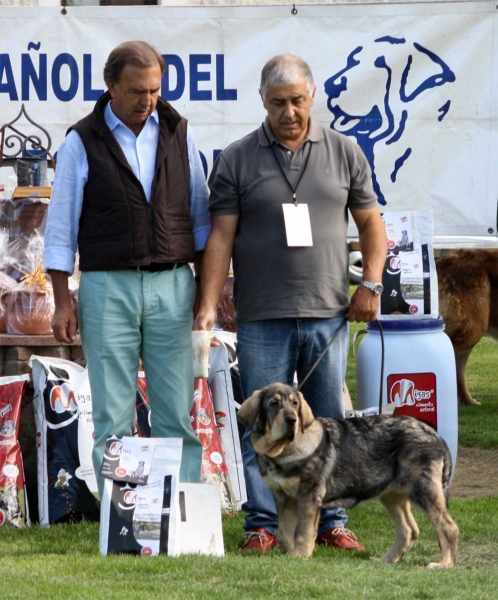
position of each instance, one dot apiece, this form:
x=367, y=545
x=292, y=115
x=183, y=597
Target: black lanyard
x=294, y=189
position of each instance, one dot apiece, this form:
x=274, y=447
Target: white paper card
x=199, y=520
x=297, y=225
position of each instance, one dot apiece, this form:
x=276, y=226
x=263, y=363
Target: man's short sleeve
x=224, y=196
x=361, y=192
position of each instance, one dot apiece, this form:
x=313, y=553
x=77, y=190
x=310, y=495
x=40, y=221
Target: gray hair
x=287, y=69
x=139, y=54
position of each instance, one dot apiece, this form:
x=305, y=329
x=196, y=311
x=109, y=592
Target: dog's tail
x=447, y=465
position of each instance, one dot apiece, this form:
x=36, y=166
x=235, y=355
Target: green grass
x=477, y=425
x=63, y=562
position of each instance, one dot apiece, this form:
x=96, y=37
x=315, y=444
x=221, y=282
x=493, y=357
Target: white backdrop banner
x=414, y=84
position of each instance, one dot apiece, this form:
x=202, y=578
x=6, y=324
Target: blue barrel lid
x=403, y=325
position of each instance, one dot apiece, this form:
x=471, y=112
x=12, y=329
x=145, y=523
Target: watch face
x=376, y=288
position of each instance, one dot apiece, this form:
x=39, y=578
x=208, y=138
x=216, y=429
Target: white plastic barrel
x=419, y=374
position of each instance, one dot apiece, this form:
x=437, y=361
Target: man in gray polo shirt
x=279, y=206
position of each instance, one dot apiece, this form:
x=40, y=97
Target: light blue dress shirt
x=71, y=175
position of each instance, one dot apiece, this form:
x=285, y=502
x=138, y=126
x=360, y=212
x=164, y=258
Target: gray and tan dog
x=310, y=463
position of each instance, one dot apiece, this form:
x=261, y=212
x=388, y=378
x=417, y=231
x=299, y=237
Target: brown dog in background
x=468, y=303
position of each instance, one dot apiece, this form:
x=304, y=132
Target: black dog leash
x=381, y=331
x=322, y=354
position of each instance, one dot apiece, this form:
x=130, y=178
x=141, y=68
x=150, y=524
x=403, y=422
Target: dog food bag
x=143, y=423
x=214, y=467
x=128, y=461
x=409, y=278
x=13, y=501
x=220, y=385
x=67, y=486
x=143, y=519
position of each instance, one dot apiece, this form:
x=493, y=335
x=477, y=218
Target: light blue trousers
x=127, y=315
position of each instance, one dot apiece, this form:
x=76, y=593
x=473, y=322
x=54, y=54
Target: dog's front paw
x=387, y=559
x=285, y=548
x=440, y=565
x=469, y=401
x=302, y=550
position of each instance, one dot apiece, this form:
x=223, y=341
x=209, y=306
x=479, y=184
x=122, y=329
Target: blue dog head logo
x=390, y=82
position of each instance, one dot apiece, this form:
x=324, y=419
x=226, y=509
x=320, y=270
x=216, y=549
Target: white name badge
x=297, y=225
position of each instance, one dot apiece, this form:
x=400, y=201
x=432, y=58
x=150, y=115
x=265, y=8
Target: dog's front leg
x=308, y=514
x=287, y=518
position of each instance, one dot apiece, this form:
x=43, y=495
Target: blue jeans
x=274, y=350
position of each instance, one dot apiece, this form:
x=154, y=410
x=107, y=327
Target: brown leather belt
x=154, y=267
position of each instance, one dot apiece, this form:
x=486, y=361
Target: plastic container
x=419, y=374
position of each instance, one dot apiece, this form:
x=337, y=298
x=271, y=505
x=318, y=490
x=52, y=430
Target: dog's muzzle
x=291, y=424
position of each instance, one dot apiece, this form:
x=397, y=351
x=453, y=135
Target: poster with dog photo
x=409, y=278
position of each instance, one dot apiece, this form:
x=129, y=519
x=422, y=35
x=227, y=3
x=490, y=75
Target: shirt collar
x=315, y=133
x=113, y=121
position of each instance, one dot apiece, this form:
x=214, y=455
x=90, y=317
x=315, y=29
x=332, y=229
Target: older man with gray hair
x=279, y=207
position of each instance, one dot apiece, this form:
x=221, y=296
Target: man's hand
x=205, y=320
x=364, y=305
x=65, y=324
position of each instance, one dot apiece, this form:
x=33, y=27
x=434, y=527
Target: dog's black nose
x=290, y=418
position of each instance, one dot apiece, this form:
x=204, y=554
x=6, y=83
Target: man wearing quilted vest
x=130, y=195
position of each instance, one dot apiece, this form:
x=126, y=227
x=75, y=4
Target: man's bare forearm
x=215, y=268
x=60, y=287
x=373, y=249
x=64, y=322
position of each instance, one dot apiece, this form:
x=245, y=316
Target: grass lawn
x=63, y=561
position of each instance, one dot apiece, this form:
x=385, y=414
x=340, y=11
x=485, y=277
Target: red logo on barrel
x=414, y=394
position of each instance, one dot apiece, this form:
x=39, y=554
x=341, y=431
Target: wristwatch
x=376, y=288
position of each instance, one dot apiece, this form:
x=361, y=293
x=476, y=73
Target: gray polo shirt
x=272, y=280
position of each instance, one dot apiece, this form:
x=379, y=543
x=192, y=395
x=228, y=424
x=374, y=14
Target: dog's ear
x=249, y=411
x=306, y=417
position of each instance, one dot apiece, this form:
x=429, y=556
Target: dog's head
x=276, y=414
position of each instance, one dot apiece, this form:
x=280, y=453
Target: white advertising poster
x=410, y=277
x=415, y=84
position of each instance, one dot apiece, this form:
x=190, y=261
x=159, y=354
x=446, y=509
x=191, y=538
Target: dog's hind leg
x=431, y=499
x=464, y=396
x=411, y=521
x=446, y=531
x=287, y=519
x=398, y=506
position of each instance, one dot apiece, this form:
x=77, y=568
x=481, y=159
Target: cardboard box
x=31, y=191
x=199, y=529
